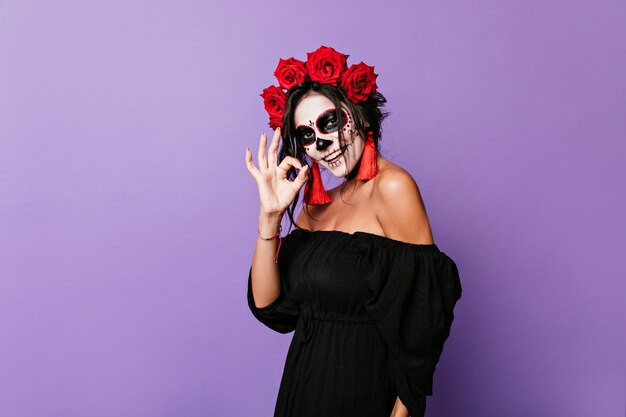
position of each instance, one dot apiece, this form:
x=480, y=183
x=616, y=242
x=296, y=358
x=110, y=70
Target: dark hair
x=367, y=116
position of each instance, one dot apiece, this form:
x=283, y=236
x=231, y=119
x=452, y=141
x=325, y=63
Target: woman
x=360, y=280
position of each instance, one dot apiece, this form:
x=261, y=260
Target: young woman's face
x=317, y=130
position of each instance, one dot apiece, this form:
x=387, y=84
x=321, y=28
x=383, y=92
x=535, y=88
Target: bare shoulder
x=400, y=207
x=392, y=180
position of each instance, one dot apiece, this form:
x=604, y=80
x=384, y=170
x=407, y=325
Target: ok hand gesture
x=276, y=192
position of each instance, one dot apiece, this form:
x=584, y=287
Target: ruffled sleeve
x=413, y=291
x=281, y=315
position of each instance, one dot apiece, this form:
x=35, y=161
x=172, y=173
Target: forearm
x=399, y=410
x=265, y=274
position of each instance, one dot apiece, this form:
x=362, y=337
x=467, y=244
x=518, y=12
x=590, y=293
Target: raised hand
x=276, y=192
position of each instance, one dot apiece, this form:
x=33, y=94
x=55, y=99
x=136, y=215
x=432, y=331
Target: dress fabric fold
x=371, y=316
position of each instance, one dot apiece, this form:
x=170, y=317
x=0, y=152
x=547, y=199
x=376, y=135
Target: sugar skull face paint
x=317, y=130
x=326, y=123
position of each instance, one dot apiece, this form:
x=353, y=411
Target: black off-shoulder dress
x=371, y=315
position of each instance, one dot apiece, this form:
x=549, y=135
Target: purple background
x=128, y=218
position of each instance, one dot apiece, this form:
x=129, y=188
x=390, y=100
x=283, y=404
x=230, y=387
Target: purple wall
x=128, y=219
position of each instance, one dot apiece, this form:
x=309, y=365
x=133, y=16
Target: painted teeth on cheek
x=332, y=155
x=335, y=155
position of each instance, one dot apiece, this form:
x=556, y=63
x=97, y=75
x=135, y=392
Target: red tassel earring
x=314, y=192
x=368, y=168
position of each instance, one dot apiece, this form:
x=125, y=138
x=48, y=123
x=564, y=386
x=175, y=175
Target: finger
x=254, y=171
x=301, y=178
x=291, y=161
x=288, y=161
x=250, y=165
x=273, y=150
x=261, y=158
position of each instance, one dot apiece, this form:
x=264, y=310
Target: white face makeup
x=317, y=130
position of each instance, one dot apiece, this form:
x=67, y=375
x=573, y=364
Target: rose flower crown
x=325, y=66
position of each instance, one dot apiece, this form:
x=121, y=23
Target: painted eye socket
x=306, y=135
x=327, y=122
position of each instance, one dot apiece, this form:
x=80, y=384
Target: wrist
x=271, y=215
x=274, y=236
x=269, y=224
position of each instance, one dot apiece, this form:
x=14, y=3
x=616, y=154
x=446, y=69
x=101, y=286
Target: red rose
x=359, y=82
x=290, y=72
x=274, y=100
x=326, y=65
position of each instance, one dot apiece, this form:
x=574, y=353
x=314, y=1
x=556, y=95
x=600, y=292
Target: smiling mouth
x=332, y=157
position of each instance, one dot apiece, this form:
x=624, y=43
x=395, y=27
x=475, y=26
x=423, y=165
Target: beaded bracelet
x=280, y=241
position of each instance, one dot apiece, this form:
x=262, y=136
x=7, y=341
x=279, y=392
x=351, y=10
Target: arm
x=402, y=214
x=276, y=192
x=263, y=264
x=399, y=410
x=265, y=274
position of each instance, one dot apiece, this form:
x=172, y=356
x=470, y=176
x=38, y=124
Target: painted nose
x=321, y=144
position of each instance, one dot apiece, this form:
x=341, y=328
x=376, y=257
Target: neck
x=350, y=182
x=352, y=174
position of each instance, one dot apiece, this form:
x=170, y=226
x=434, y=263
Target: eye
x=328, y=123
x=305, y=134
x=332, y=122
